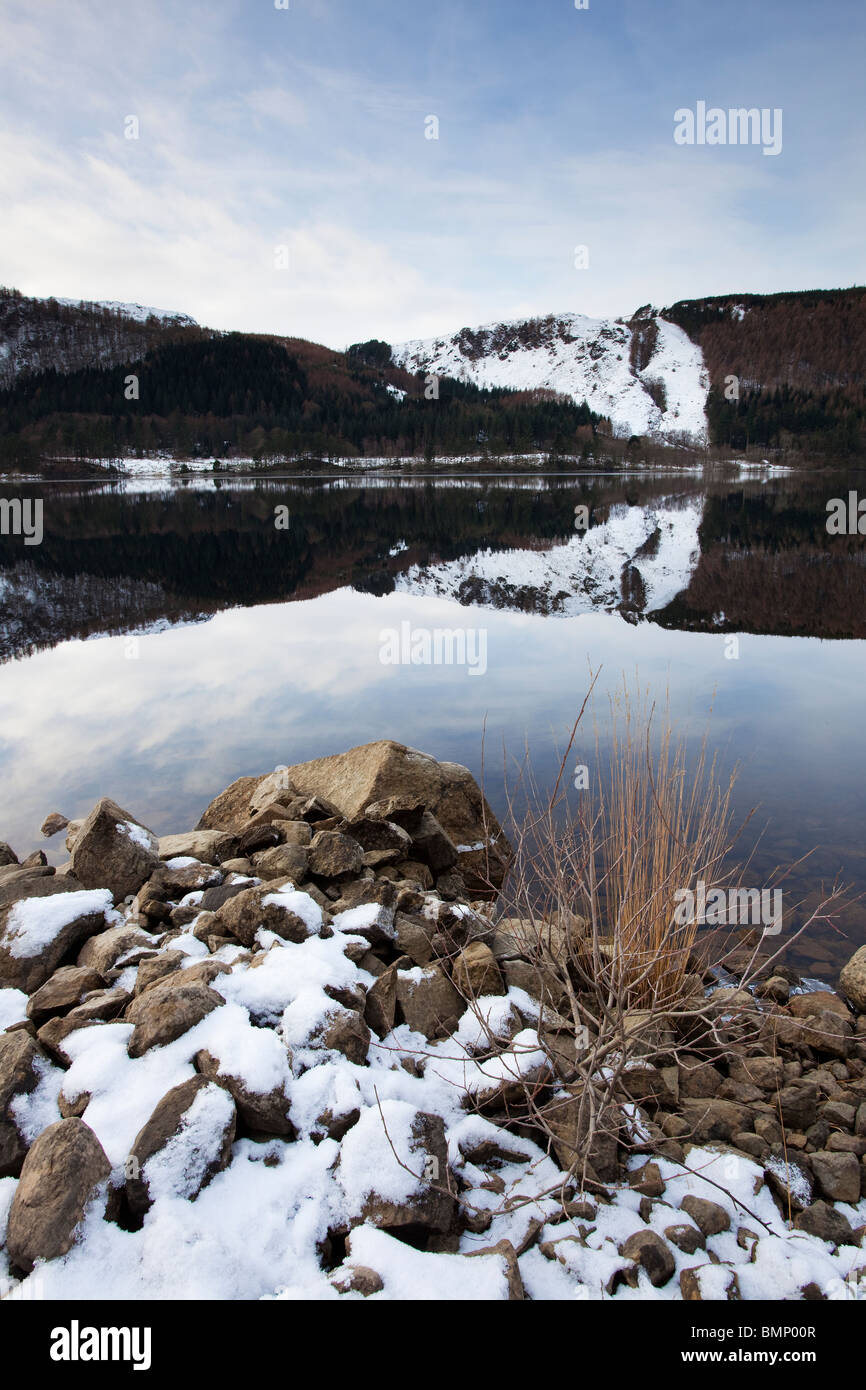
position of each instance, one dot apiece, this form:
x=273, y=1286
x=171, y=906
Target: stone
x=101, y=1006
x=433, y=846
x=19, y=1074
x=414, y=936
x=475, y=972
x=714, y=1119
x=53, y=824
x=104, y=951
x=775, y=988
x=507, y=1253
x=334, y=855
x=150, y=971
x=243, y=915
x=357, y=1279
x=569, y=1135
x=381, y=1003
x=200, y=1150
x=647, y=1180
x=837, y=1175
x=652, y=1253
x=686, y=1238
x=262, y=1112
x=164, y=1013
x=373, y=833
x=698, y=1079
x=259, y=836
x=837, y=1113
x=799, y=1106
x=345, y=1031
x=61, y=1173
x=113, y=850
x=53, y=1034
x=852, y=979
x=432, y=1207
x=7, y=854
x=282, y=861
x=65, y=988
x=430, y=1003
x=817, y=1002
x=30, y=952
x=824, y=1221
x=537, y=981
x=710, y=1218
x=208, y=846
x=709, y=1283
x=789, y=1176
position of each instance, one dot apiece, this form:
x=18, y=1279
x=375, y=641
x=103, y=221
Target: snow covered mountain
x=635, y=563
x=66, y=335
x=646, y=376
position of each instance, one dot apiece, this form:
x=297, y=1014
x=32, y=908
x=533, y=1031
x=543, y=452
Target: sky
x=283, y=179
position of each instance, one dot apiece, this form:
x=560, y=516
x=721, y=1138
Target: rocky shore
x=299, y=1052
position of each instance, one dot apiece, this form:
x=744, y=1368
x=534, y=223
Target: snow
x=139, y=312
x=178, y=1168
x=584, y=358
x=13, y=1007
x=378, y=1156
x=138, y=835
x=34, y=923
x=586, y=572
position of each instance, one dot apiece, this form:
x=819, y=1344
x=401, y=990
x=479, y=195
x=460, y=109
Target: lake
x=168, y=636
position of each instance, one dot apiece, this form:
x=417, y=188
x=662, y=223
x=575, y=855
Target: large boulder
x=164, y=1013
x=113, y=850
x=378, y=773
x=185, y=1143
x=61, y=1172
x=19, y=1074
x=852, y=979
x=37, y=934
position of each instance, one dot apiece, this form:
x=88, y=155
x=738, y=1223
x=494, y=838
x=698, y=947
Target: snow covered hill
x=647, y=377
x=636, y=562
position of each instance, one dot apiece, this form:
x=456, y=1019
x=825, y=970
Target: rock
x=66, y=988
x=150, y=971
x=373, y=833
x=164, y=1013
x=775, y=988
x=699, y=1080
x=357, y=1279
x=208, y=846
x=101, y=1006
x=649, y=1250
x=414, y=936
x=345, y=1031
x=475, y=972
x=647, y=1180
x=19, y=1074
x=799, y=1106
x=381, y=1003
x=263, y=1113
x=817, y=1002
x=282, y=861
x=825, y=1032
x=538, y=982
x=686, y=1238
x=52, y=824
x=112, y=850
x=852, y=979
x=837, y=1175
x=259, y=836
x=709, y=1217
x=192, y=1131
x=714, y=1119
x=18, y=884
x=506, y=1251
x=381, y=777
x=432, y=1207
x=790, y=1178
x=243, y=915
x=64, y=1166
x=569, y=1131
x=824, y=1221
x=752, y=1145
x=53, y=1034
x=334, y=855
x=432, y=846
x=837, y=1113
x=104, y=951
x=430, y=1003
x=709, y=1283
x=36, y=935
x=7, y=855
x=72, y=830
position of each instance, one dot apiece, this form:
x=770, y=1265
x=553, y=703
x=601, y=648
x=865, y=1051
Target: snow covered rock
x=104, y=950
x=65, y=988
x=19, y=1074
x=163, y=1013
x=263, y=1112
x=291, y=915
x=430, y=1003
x=185, y=1143
x=36, y=934
x=208, y=846
x=61, y=1173
x=112, y=850
x=393, y=1169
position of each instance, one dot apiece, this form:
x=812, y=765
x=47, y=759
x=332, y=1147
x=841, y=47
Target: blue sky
x=305, y=129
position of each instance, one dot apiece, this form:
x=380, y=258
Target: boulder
x=345, y=1031
x=824, y=1032
x=476, y=973
x=66, y=988
x=164, y=1013
x=569, y=1130
x=19, y=1074
x=837, y=1175
x=432, y=1207
x=53, y=824
x=686, y=1238
x=824, y=1221
x=430, y=1003
x=505, y=1251
x=7, y=854
x=106, y=950
x=112, y=850
x=243, y=915
x=208, y=846
x=374, y=776
x=381, y=1003
x=334, y=855
x=709, y=1217
x=714, y=1119
x=652, y=1253
x=357, y=1279
x=185, y=1143
x=282, y=861
x=61, y=1172
x=36, y=935
x=852, y=979
x=263, y=1112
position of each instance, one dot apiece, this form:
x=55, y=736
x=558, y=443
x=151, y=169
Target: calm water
x=163, y=640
